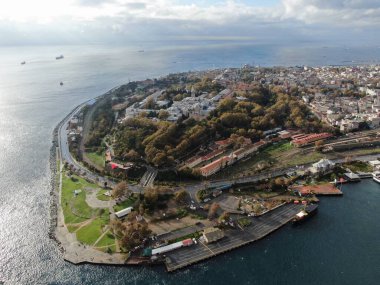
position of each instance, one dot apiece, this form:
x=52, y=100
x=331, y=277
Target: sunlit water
x=341, y=245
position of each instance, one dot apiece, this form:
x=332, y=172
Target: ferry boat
x=59, y=57
x=376, y=176
x=309, y=211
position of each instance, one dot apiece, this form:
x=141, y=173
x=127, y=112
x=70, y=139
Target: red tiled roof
x=215, y=164
x=223, y=142
x=212, y=154
x=311, y=138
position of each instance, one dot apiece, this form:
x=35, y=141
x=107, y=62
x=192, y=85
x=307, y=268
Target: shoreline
x=75, y=252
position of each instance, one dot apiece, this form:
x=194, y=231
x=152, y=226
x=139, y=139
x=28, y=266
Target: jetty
x=233, y=238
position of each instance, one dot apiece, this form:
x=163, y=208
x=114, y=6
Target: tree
x=212, y=211
x=151, y=196
x=226, y=105
x=120, y=190
x=319, y=145
x=133, y=234
x=132, y=155
x=163, y=114
x=224, y=217
x=150, y=104
x=181, y=197
x=141, y=209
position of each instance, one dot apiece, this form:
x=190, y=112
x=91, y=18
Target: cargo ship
x=309, y=211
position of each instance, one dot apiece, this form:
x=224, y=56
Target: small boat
x=376, y=176
x=141, y=50
x=61, y=83
x=59, y=57
x=22, y=63
x=309, y=211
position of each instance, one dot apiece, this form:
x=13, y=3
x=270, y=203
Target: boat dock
x=234, y=238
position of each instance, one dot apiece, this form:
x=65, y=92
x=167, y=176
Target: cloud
x=136, y=5
x=93, y=2
x=333, y=12
x=108, y=20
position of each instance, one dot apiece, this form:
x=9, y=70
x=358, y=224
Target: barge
x=308, y=212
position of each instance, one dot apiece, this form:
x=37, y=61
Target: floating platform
x=234, y=238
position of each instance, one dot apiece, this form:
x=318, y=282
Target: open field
x=100, y=195
x=75, y=208
x=96, y=158
x=356, y=166
x=91, y=226
x=90, y=233
x=284, y=155
x=278, y=155
x=364, y=151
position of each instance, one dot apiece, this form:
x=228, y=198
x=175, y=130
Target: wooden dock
x=234, y=238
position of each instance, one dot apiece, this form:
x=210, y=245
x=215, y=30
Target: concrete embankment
x=234, y=238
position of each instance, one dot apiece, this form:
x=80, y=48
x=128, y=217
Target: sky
x=335, y=22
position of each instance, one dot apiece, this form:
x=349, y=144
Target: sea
x=340, y=245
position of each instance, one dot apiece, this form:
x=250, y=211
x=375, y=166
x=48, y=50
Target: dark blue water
x=340, y=245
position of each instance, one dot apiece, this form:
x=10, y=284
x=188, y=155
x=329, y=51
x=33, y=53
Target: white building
x=322, y=166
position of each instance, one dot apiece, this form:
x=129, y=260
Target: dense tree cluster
x=162, y=143
x=121, y=190
x=101, y=122
x=131, y=233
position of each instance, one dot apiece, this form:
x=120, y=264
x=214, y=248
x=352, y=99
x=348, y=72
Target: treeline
x=101, y=122
x=159, y=143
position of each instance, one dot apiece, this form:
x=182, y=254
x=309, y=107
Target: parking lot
x=234, y=238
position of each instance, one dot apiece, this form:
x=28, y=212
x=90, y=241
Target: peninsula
x=181, y=168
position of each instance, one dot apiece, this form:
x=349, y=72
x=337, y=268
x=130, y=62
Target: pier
x=234, y=238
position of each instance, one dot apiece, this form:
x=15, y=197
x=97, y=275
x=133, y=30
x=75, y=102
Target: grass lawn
x=90, y=233
x=244, y=222
x=107, y=240
x=72, y=228
x=75, y=208
x=96, y=158
x=356, y=166
x=364, y=151
x=127, y=203
x=100, y=195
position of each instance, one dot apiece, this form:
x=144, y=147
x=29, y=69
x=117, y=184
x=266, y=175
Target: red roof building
x=304, y=139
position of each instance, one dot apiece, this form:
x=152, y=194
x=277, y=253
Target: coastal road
x=66, y=155
x=193, y=188
x=65, y=152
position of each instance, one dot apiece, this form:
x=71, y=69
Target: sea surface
x=340, y=245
